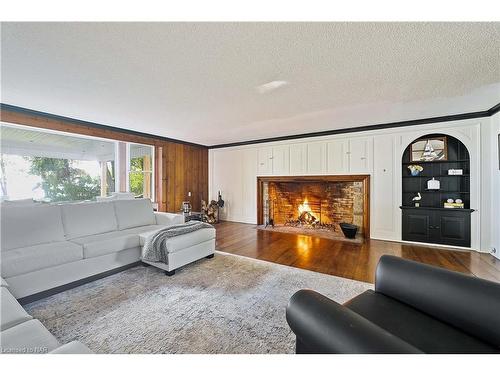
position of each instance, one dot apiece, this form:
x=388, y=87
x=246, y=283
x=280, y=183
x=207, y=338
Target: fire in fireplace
x=306, y=216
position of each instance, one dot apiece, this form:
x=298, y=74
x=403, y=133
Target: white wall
x=234, y=171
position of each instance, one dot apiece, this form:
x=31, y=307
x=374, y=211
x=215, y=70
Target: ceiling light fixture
x=270, y=86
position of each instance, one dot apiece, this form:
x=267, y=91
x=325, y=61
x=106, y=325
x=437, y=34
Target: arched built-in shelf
x=431, y=222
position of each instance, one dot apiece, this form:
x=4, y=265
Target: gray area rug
x=228, y=304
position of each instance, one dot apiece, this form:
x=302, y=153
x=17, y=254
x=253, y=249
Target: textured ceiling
x=197, y=81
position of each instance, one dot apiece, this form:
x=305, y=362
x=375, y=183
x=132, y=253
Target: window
x=53, y=166
x=140, y=170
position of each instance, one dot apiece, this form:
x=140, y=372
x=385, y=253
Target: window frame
x=152, y=171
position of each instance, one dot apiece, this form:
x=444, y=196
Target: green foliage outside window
x=136, y=176
x=61, y=181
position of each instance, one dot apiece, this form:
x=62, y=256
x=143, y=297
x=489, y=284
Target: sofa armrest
x=73, y=347
x=466, y=302
x=324, y=326
x=167, y=218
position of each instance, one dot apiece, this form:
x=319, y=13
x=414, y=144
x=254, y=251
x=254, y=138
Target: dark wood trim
x=74, y=284
x=364, y=178
x=31, y=112
x=493, y=110
x=463, y=116
x=398, y=124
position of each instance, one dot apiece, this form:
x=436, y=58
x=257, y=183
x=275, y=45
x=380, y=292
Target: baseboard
x=74, y=284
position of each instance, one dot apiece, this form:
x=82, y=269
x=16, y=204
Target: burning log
x=307, y=217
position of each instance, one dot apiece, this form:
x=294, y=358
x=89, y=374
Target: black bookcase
x=431, y=222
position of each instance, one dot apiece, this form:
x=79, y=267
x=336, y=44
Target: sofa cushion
x=416, y=328
x=84, y=219
x=28, y=337
x=73, y=347
x=30, y=225
x=12, y=313
x=27, y=259
x=106, y=243
x=134, y=213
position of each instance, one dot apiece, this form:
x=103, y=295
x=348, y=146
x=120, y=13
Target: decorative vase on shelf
x=415, y=169
x=433, y=184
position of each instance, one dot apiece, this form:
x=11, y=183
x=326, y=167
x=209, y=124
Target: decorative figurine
x=417, y=199
x=433, y=184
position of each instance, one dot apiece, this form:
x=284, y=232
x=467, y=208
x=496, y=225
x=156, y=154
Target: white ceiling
x=21, y=141
x=197, y=81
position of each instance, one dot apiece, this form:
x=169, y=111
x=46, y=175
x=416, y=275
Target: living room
x=230, y=187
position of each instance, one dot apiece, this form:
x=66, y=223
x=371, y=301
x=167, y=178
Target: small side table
x=193, y=216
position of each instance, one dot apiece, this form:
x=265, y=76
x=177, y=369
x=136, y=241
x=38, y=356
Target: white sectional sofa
x=20, y=333
x=46, y=248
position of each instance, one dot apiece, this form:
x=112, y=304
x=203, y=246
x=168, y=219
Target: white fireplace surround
x=234, y=171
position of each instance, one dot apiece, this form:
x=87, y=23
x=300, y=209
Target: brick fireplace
x=314, y=202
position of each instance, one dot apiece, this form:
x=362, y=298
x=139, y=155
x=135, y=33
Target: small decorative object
x=433, y=184
x=349, y=230
x=186, y=207
x=455, y=172
x=220, y=201
x=417, y=199
x=415, y=169
x=453, y=205
x=429, y=149
x=449, y=200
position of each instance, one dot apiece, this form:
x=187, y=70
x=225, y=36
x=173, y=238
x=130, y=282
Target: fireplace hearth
x=314, y=205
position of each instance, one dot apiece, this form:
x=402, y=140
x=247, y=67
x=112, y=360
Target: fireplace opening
x=314, y=205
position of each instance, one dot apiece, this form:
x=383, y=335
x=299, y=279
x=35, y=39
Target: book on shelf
x=453, y=205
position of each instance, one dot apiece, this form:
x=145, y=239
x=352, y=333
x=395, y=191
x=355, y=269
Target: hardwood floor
x=343, y=258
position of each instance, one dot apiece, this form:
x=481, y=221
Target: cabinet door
x=337, y=157
x=383, y=197
x=416, y=225
x=316, y=158
x=298, y=159
x=281, y=160
x=249, y=185
x=360, y=158
x=264, y=161
x=453, y=228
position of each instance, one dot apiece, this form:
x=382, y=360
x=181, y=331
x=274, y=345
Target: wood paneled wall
x=180, y=167
x=185, y=169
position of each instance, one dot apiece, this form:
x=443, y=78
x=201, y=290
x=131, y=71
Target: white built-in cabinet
x=350, y=156
x=281, y=160
x=360, y=155
x=316, y=158
x=298, y=159
x=265, y=161
x=338, y=156
x=383, y=202
x=343, y=156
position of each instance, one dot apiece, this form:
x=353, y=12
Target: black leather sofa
x=415, y=308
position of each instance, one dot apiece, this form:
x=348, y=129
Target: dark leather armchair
x=415, y=308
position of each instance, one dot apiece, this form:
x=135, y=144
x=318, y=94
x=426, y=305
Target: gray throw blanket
x=155, y=249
